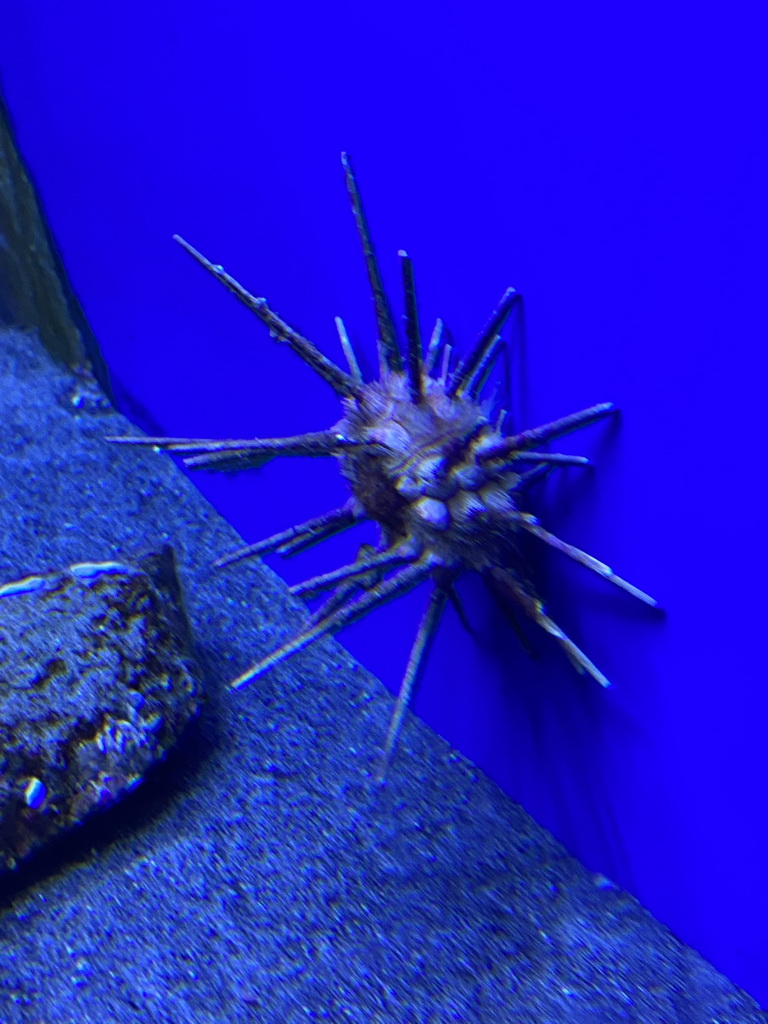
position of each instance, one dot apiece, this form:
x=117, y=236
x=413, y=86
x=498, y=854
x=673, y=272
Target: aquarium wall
x=610, y=167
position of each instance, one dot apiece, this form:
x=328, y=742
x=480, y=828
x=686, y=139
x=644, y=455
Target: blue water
x=612, y=169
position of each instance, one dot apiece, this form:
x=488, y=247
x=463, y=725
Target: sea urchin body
x=424, y=460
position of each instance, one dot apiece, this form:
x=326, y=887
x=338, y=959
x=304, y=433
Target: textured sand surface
x=258, y=875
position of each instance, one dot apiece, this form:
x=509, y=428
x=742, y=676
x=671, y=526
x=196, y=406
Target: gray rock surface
x=35, y=291
x=258, y=875
x=97, y=683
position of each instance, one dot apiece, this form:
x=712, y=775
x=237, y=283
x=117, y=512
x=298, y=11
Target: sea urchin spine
x=424, y=461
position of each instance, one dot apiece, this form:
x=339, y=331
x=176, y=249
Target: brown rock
x=96, y=684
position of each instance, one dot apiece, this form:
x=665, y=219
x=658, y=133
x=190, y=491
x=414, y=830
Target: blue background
x=611, y=167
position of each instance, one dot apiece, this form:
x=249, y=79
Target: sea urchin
x=424, y=460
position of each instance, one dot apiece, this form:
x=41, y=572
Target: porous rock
x=96, y=684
